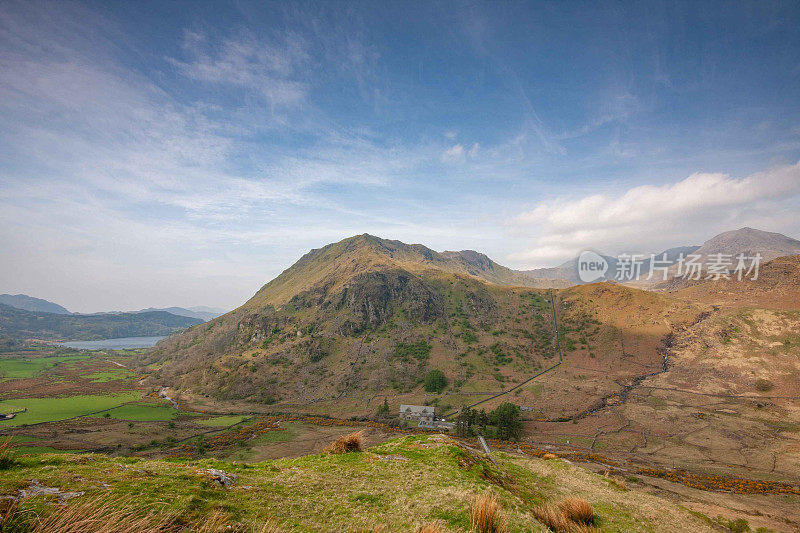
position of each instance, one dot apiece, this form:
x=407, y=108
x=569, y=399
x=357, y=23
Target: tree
x=383, y=410
x=507, y=420
x=463, y=426
x=435, y=381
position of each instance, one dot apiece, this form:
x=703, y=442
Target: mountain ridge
x=18, y=323
x=30, y=303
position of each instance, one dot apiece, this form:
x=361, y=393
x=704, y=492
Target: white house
x=418, y=412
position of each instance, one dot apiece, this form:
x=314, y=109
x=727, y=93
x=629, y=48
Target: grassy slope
x=401, y=484
x=777, y=287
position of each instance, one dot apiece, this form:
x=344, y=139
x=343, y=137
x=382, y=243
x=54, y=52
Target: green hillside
x=399, y=485
x=17, y=323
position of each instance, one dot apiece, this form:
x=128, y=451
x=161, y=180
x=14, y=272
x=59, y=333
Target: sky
x=185, y=153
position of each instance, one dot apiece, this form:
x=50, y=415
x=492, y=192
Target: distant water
x=113, y=344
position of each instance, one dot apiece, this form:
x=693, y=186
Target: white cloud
x=453, y=154
x=649, y=218
x=458, y=153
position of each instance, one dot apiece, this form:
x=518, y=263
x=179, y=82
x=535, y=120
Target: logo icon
x=591, y=266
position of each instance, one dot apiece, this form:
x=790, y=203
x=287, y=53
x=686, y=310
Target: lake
x=113, y=344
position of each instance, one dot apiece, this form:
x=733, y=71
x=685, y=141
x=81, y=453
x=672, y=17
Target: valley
x=691, y=393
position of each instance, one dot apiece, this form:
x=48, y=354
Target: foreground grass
x=400, y=484
x=39, y=410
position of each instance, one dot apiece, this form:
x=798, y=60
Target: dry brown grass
x=487, y=515
x=6, y=455
x=213, y=523
x=552, y=517
x=571, y=515
x=577, y=510
x=270, y=526
x=431, y=527
x=354, y=442
x=106, y=515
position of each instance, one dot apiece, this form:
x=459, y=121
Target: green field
x=21, y=368
x=109, y=375
x=50, y=409
x=142, y=412
x=222, y=421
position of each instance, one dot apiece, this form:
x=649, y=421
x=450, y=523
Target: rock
x=223, y=478
x=37, y=489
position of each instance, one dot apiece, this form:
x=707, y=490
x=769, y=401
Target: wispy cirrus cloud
x=276, y=70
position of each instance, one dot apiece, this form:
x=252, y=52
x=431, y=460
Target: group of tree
x=502, y=423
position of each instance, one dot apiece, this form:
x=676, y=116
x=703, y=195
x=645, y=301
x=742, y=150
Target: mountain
x=747, y=241
x=750, y=241
x=569, y=269
x=338, y=262
x=17, y=323
x=29, y=303
x=368, y=316
x=200, y=312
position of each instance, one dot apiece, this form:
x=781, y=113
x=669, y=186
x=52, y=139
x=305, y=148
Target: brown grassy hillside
x=777, y=287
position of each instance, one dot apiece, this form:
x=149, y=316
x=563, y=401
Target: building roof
x=417, y=409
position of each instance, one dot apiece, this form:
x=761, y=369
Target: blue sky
x=168, y=153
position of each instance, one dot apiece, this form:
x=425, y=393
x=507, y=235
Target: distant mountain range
x=29, y=303
x=202, y=312
x=21, y=324
x=26, y=317
x=747, y=241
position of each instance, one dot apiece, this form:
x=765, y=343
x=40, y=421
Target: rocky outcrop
x=373, y=298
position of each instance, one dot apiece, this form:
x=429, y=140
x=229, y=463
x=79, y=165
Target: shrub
x=577, y=510
x=764, y=385
x=354, y=442
x=435, y=381
x=419, y=350
x=486, y=516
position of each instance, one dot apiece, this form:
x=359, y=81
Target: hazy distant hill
x=747, y=241
x=750, y=241
x=29, y=303
x=18, y=323
x=569, y=269
x=200, y=312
